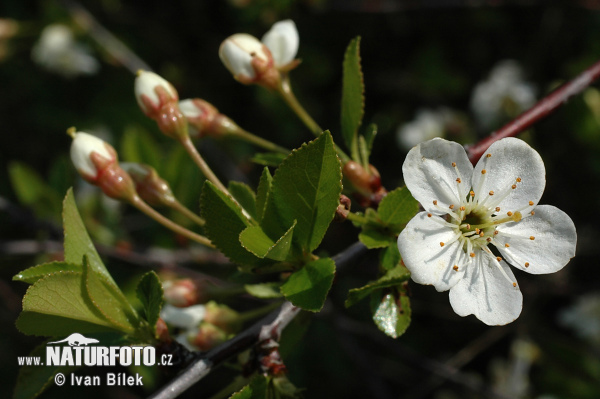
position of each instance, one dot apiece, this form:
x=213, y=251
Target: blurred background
x=452, y=68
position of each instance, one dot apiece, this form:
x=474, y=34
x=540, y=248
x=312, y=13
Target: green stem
x=254, y=313
x=148, y=210
x=258, y=141
x=204, y=168
x=355, y=217
x=179, y=207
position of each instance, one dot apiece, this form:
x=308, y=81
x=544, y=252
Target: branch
x=269, y=327
x=539, y=111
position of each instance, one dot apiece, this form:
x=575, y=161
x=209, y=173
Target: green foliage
x=150, y=293
x=273, y=159
x=391, y=312
x=256, y=241
x=262, y=193
x=392, y=278
x=390, y=258
x=306, y=188
x=264, y=290
x=376, y=237
x=257, y=389
x=244, y=195
x=35, y=273
x=138, y=145
x=308, y=287
x=32, y=190
x=353, y=101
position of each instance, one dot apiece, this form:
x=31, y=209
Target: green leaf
x=398, y=207
x=109, y=300
x=390, y=258
x=308, y=287
x=370, y=133
x=307, y=188
x=32, y=190
x=35, y=273
x=353, y=101
x=264, y=290
x=374, y=237
x=58, y=305
x=224, y=223
x=269, y=159
x=33, y=380
x=391, y=312
x=363, y=152
x=392, y=278
x=263, y=192
x=257, y=389
x=244, y=195
x=255, y=240
x=137, y=145
x=150, y=293
x=77, y=241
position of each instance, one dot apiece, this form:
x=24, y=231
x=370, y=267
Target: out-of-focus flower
x=466, y=210
x=512, y=376
x=186, y=318
x=148, y=184
x=584, y=317
x=283, y=41
x=427, y=125
x=58, y=52
x=503, y=96
x=181, y=293
x=206, y=120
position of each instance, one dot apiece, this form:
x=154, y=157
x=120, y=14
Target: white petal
x=283, y=41
x=429, y=174
x=187, y=318
x=82, y=147
x=511, y=159
x=486, y=293
x=428, y=262
x=145, y=84
x=236, y=53
x=553, y=245
x=189, y=109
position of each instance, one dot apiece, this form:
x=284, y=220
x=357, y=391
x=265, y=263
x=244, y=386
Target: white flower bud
x=186, y=318
x=82, y=147
x=152, y=91
x=283, y=41
x=237, y=53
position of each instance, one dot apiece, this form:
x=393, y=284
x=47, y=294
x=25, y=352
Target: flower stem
x=357, y=218
x=258, y=141
x=179, y=207
x=148, y=210
x=204, y=168
x=254, y=313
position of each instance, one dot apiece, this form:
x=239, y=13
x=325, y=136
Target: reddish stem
x=539, y=111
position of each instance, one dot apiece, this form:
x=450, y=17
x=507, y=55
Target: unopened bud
x=283, y=40
x=187, y=318
x=181, y=293
x=148, y=184
x=205, y=120
x=223, y=317
x=343, y=209
x=249, y=60
x=207, y=337
x=96, y=161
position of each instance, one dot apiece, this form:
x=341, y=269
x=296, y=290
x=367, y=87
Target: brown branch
x=538, y=112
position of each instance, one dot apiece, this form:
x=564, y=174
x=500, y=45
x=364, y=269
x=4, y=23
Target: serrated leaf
x=398, y=207
x=308, y=287
x=32, y=190
x=256, y=389
x=57, y=305
x=269, y=159
x=374, y=237
x=370, y=134
x=262, y=193
x=392, y=278
x=33, y=380
x=244, y=195
x=34, y=273
x=353, y=101
x=391, y=313
x=109, y=300
x=137, y=145
x=150, y=293
x=264, y=290
x=390, y=258
x=306, y=188
x=224, y=223
x=255, y=240
x=77, y=242
x=363, y=152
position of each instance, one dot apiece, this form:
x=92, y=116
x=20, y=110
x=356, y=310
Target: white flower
x=83, y=146
x=58, y=52
x=466, y=210
x=186, y=318
x=584, y=317
x=503, y=95
x=238, y=52
x=283, y=41
x=427, y=124
x=152, y=91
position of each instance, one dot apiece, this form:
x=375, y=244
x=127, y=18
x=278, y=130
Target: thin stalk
x=258, y=141
x=254, y=313
x=355, y=217
x=179, y=207
x=204, y=168
x=148, y=210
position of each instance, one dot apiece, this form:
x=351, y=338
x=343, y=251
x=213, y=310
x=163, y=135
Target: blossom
x=470, y=210
x=57, y=51
x=427, y=124
x=152, y=92
x=283, y=41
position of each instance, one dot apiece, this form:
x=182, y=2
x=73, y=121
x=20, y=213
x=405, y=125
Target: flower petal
x=283, y=40
x=510, y=159
x=429, y=174
x=485, y=293
x=553, y=244
x=236, y=53
x=428, y=261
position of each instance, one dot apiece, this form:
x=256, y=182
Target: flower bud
x=148, y=184
x=249, y=60
x=223, y=317
x=181, y=293
x=96, y=161
x=205, y=120
x=207, y=337
x=186, y=318
x=283, y=40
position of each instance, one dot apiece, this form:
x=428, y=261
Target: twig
x=269, y=327
x=539, y=111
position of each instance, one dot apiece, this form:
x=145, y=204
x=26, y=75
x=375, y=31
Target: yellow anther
x=489, y=239
x=532, y=238
x=481, y=234
x=515, y=285
x=488, y=156
x=462, y=208
x=495, y=232
x=498, y=258
x=532, y=213
x=472, y=254
x=451, y=207
x=530, y=203
x=477, y=230
x=513, y=186
x=441, y=244
x=468, y=226
x=483, y=171
x=509, y=213
x=491, y=192
x=429, y=215
x=507, y=245
x=435, y=202
x=472, y=193
x=518, y=180
x=458, y=180
x=454, y=164
x=497, y=209
x=455, y=268
x=526, y=264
